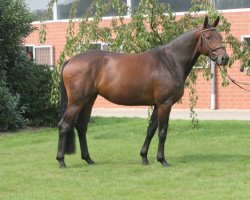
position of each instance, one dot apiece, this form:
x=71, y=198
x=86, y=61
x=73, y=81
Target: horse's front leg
x=163, y=118
x=153, y=124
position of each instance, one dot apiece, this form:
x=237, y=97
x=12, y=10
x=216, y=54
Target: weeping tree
x=150, y=25
x=15, y=25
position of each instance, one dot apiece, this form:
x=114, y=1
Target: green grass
x=212, y=162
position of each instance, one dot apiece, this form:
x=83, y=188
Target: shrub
x=15, y=25
x=10, y=115
x=33, y=82
x=24, y=86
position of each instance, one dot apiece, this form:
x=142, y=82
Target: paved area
x=176, y=114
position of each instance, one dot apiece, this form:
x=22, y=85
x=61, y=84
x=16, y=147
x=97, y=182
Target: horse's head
x=210, y=43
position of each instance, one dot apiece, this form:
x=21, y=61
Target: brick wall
x=230, y=97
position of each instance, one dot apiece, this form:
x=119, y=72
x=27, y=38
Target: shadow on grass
x=195, y=158
x=212, y=158
x=104, y=163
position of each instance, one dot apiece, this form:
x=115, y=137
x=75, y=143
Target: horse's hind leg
x=66, y=142
x=81, y=126
x=153, y=124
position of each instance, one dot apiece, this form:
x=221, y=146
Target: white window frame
x=242, y=40
x=101, y=43
x=42, y=46
x=129, y=3
x=244, y=36
x=51, y=51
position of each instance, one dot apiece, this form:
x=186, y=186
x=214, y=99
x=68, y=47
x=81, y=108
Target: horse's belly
x=129, y=100
x=125, y=87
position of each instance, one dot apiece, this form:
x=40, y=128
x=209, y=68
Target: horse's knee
x=63, y=127
x=162, y=135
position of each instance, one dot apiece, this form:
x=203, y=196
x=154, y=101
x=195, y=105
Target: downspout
x=213, y=86
x=213, y=83
x=55, y=11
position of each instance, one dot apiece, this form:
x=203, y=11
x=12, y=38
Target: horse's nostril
x=225, y=59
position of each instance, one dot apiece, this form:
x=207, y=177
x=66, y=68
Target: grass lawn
x=212, y=162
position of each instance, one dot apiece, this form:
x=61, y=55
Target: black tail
x=70, y=146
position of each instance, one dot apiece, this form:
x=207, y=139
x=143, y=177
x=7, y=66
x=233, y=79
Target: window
x=64, y=7
x=100, y=46
x=38, y=8
x=61, y=9
x=41, y=54
x=232, y=4
x=175, y=5
x=246, y=38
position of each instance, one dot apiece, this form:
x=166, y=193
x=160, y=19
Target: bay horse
x=155, y=77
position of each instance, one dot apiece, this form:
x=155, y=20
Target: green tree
x=24, y=86
x=152, y=24
x=14, y=27
x=10, y=116
x=15, y=23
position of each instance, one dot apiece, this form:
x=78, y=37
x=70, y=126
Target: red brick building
x=230, y=97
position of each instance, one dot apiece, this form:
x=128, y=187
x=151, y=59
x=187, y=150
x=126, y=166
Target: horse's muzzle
x=222, y=59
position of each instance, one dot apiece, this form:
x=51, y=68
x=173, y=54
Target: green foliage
x=10, y=113
x=25, y=87
x=33, y=83
x=15, y=25
x=151, y=24
x=11, y=118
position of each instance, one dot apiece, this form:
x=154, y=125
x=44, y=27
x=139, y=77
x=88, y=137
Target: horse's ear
x=205, y=22
x=216, y=22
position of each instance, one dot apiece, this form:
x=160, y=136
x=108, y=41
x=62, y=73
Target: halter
x=213, y=56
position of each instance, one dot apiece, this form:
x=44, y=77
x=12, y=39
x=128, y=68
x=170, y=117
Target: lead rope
x=238, y=83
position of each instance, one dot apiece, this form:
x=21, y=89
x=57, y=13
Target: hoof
x=62, y=163
x=89, y=161
x=163, y=162
x=63, y=166
x=144, y=161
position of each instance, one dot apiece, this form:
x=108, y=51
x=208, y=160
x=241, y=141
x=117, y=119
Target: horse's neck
x=184, y=52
